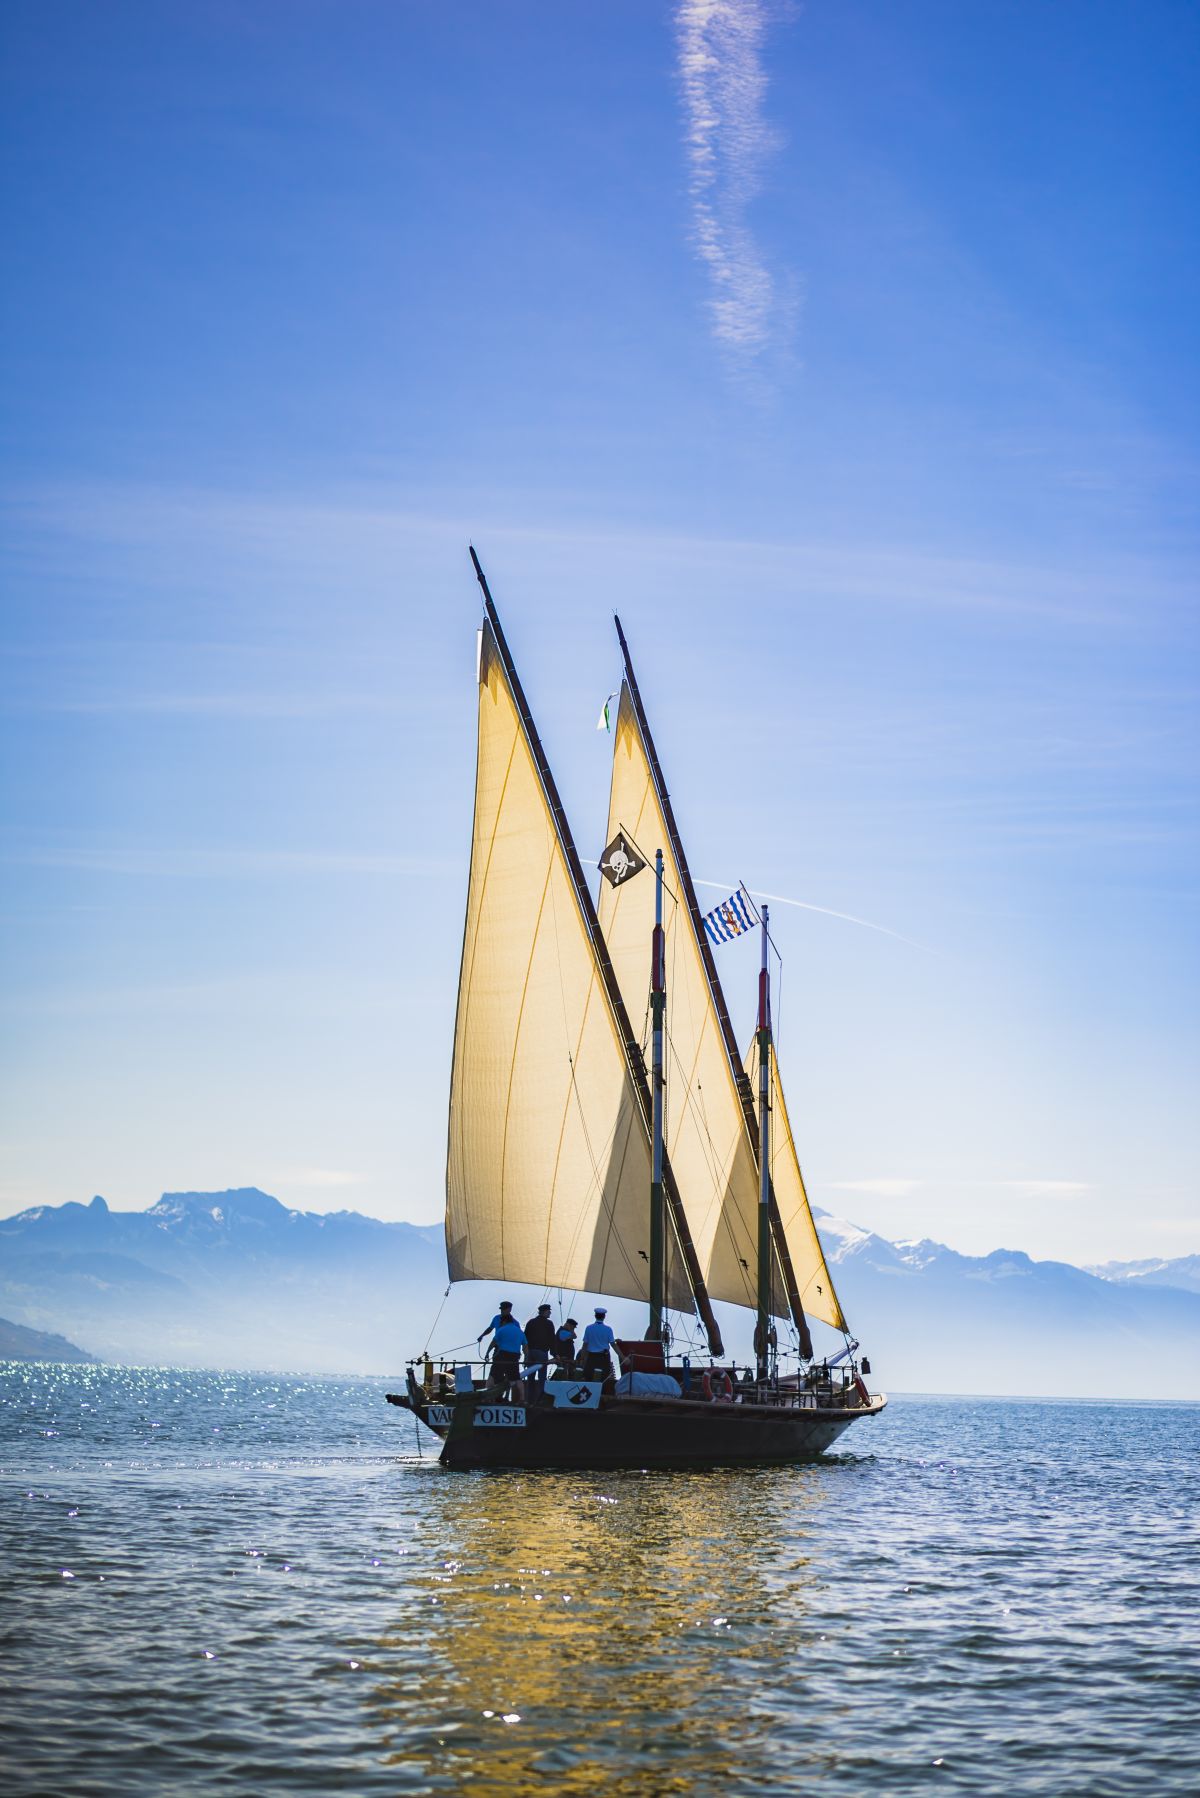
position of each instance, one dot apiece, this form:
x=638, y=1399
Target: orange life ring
x=718, y=1390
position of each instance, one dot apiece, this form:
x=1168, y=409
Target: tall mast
x=732, y=1050
x=762, y=1330
x=633, y=1054
x=658, y=1006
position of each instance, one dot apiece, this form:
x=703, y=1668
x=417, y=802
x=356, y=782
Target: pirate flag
x=620, y=861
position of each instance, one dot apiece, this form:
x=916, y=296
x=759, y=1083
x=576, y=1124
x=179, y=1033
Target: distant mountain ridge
x=843, y=1242
x=1007, y=1323
x=236, y=1278
x=1183, y=1272
x=18, y=1343
x=228, y=1278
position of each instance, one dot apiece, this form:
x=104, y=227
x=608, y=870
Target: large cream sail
x=707, y=1140
x=817, y=1293
x=548, y=1163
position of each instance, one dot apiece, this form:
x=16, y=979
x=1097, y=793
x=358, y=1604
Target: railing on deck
x=813, y=1388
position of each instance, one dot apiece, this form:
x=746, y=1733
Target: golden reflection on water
x=626, y=1620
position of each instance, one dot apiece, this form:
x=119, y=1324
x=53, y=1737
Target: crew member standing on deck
x=508, y=1339
x=564, y=1348
x=503, y=1316
x=539, y=1340
x=598, y=1340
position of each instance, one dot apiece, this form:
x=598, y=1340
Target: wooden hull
x=636, y=1432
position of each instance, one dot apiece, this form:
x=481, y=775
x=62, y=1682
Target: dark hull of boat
x=636, y=1433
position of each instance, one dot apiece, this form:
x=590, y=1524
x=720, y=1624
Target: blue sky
x=848, y=350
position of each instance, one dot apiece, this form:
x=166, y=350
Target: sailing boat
x=565, y=1167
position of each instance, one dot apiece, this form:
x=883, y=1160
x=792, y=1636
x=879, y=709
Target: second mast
x=658, y=1007
x=762, y=1328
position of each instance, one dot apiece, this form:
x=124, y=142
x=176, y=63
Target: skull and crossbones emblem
x=620, y=862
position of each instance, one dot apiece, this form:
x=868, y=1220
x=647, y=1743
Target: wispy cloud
x=299, y=994
x=890, y=1188
x=361, y=529
x=881, y=1189
x=727, y=139
x=317, y=1176
x=231, y=705
x=1047, y=1189
x=201, y=863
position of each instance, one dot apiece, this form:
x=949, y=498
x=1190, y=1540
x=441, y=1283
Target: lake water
x=253, y=1584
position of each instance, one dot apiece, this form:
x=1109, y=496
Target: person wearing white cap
x=598, y=1340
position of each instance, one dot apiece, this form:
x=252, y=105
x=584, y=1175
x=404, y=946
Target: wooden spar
x=633, y=1053
x=740, y=1078
x=762, y=1327
x=658, y=1008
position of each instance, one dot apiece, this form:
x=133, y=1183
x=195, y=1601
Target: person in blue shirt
x=503, y=1316
x=598, y=1340
x=508, y=1339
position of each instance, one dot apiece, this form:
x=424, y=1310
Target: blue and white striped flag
x=733, y=917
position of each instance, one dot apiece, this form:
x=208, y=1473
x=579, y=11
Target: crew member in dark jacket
x=539, y=1340
x=564, y=1348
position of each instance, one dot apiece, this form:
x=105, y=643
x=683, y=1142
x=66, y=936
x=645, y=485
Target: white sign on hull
x=500, y=1417
x=575, y=1395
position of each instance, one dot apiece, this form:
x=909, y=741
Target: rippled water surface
x=253, y=1584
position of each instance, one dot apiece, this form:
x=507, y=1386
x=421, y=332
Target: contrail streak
x=730, y=886
x=825, y=911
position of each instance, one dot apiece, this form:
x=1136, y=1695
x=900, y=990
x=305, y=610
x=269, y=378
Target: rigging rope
x=433, y=1326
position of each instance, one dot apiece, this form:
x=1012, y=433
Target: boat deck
x=581, y=1426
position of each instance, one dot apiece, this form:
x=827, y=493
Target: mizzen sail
x=817, y=1293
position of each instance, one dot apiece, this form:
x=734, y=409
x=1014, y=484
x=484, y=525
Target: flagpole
x=762, y=1332
x=658, y=1007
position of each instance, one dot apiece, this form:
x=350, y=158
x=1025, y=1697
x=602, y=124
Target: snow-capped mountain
x=1183, y=1272
x=1006, y=1323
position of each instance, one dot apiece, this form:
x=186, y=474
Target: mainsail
x=548, y=1164
x=817, y=1293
